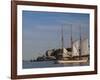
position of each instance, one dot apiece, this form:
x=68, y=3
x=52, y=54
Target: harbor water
x=46, y=64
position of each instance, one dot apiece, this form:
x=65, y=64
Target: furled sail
x=84, y=47
x=75, y=48
x=65, y=53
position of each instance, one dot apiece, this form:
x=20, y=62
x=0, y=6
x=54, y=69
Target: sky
x=41, y=31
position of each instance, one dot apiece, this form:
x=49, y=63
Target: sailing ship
x=79, y=52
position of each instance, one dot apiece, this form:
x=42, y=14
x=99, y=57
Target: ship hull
x=84, y=59
x=71, y=61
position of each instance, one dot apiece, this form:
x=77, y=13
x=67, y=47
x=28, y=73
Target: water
x=45, y=64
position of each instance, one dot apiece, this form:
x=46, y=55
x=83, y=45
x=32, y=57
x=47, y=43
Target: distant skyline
x=41, y=31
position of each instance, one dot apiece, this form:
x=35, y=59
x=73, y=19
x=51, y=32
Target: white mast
x=62, y=42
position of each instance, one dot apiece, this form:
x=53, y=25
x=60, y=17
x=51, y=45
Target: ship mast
x=71, y=40
x=62, y=39
x=80, y=42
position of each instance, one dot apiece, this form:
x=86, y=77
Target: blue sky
x=42, y=31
